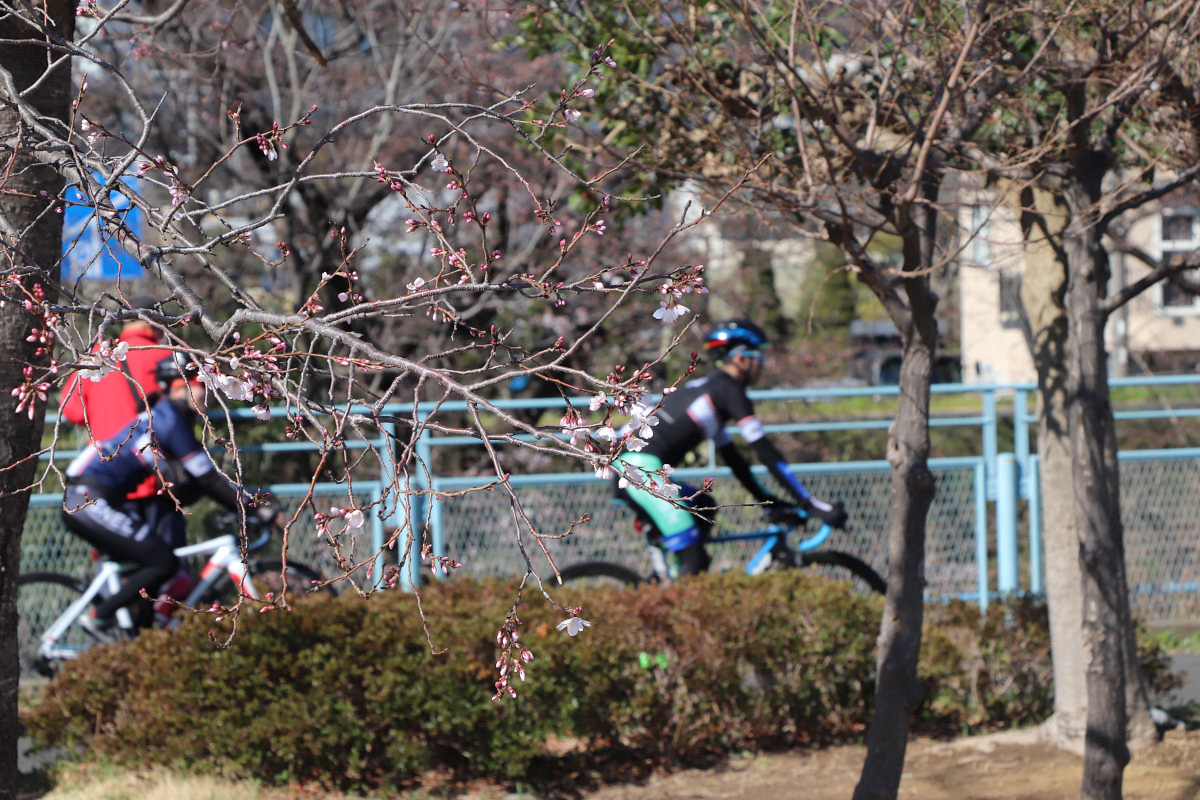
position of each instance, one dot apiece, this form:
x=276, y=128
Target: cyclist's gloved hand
x=780, y=510
x=832, y=513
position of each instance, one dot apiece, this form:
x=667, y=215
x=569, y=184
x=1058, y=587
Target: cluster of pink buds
x=93, y=131
x=345, y=297
x=9, y=284
x=545, y=217
x=443, y=565
x=353, y=517
x=30, y=392
x=382, y=175
x=513, y=658
x=683, y=282
x=311, y=307
x=43, y=336
x=179, y=192
x=269, y=142
x=579, y=90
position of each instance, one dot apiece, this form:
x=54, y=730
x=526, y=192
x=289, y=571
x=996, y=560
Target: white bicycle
x=54, y=602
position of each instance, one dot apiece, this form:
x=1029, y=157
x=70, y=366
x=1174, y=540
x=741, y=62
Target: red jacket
x=108, y=407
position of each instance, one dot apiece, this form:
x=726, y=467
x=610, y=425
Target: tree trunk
x=1106, y=618
x=1043, y=291
x=1043, y=286
x=897, y=692
x=32, y=238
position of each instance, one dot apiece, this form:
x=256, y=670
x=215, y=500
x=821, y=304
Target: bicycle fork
x=226, y=559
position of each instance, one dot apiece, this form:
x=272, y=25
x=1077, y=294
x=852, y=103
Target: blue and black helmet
x=732, y=334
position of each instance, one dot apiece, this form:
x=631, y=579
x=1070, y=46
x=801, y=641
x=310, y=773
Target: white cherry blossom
x=669, y=311
x=573, y=625
x=642, y=421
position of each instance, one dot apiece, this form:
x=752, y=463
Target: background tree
x=228, y=70
x=855, y=120
x=1100, y=121
x=839, y=116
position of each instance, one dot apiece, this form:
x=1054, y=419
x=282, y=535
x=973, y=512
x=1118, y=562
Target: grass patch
x=1174, y=640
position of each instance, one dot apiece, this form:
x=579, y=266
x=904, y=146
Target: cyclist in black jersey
x=698, y=411
x=145, y=531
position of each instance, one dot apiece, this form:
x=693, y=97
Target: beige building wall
x=991, y=262
x=1159, y=320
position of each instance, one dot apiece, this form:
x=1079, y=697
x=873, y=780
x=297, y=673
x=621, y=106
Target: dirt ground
x=1010, y=766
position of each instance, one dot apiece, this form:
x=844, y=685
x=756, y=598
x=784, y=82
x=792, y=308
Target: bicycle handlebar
x=228, y=521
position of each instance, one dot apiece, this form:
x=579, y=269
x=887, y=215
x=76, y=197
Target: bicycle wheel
x=41, y=598
x=600, y=573
x=834, y=563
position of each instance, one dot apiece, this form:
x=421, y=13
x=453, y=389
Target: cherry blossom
x=634, y=444
x=643, y=420
x=573, y=625
x=631, y=476
x=669, y=310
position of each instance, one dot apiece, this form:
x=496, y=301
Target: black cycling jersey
x=700, y=410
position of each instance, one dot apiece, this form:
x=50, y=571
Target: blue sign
x=86, y=252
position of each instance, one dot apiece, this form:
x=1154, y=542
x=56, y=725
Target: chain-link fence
x=1160, y=492
x=485, y=529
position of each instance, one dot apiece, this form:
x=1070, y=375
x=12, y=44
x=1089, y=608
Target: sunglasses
x=757, y=355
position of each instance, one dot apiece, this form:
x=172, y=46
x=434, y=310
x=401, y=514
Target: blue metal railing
x=1002, y=479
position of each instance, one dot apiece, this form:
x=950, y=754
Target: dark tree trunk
x=1106, y=617
x=898, y=692
x=29, y=218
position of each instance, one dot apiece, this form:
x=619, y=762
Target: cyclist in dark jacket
x=145, y=531
x=698, y=411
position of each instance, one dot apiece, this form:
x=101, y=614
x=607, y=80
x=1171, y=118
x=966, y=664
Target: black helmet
x=175, y=367
x=734, y=333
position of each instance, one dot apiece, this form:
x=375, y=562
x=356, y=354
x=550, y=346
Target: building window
x=1010, y=299
x=1179, y=237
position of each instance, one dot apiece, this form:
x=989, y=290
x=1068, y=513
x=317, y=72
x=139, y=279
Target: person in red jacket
x=109, y=407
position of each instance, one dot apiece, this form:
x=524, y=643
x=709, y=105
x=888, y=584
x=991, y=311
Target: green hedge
x=380, y=693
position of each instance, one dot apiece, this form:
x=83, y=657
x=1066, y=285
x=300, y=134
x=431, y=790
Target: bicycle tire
x=41, y=598
x=600, y=572
x=856, y=566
